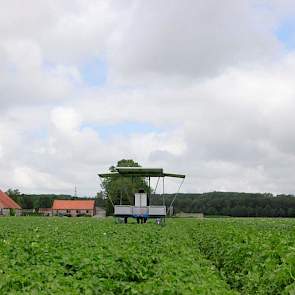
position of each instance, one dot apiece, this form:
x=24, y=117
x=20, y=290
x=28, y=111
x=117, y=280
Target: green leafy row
x=88, y=256
x=254, y=256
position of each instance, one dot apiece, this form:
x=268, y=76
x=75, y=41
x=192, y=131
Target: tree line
x=214, y=203
x=232, y=204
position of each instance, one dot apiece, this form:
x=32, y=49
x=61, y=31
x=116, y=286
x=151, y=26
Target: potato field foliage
x=186, y=256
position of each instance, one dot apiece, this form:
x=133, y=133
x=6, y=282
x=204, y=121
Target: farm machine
x=142, y=209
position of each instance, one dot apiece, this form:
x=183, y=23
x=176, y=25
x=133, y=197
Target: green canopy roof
x=140, y=172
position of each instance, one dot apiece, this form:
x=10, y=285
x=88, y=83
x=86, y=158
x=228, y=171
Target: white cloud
x=191, y=38
x=29, y=179
x=66, y=120
x=212, y=80
x=1, y=152
x=25, y=79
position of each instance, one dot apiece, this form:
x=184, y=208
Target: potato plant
x=254, y=256
x=186, y=256
x=89, y=256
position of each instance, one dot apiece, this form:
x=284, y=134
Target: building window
x=87, y=211
x=68, y=211
x=77, y=211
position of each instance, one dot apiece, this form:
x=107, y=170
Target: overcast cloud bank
x=202, y=88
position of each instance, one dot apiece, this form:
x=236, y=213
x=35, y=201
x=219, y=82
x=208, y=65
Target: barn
x=73, y=207
x=8, y=206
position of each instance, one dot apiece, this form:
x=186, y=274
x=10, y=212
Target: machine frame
x=143, y=213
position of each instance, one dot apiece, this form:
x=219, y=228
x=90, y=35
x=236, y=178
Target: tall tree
x=119, y=189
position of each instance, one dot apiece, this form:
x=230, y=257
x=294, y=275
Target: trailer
x=142, y=210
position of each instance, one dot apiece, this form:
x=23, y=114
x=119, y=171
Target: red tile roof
x=7, y=203
x=73, y=204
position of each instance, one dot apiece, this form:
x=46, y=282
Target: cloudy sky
x=206, y=88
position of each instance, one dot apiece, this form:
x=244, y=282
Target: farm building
x=73, y=207
x=8, y=206
x=100, y=212
x=28, y=212
x=190, y=215
x=45, y=211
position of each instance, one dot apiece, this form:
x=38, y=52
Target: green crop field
x=187, y=256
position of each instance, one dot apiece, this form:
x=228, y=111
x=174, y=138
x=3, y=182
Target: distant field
x=187, y=256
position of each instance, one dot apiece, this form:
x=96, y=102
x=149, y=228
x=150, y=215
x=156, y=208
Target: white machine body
x=140, y=200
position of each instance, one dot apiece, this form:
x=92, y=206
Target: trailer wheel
x=118, y=220
x=160, y=221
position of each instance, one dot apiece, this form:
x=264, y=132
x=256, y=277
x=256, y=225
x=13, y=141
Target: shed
x=190, y=215
x=73, y=207
x=7, y=205
x=45, y=211
x=100, y=212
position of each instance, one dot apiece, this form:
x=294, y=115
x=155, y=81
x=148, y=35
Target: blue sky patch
x=38, y=134
x=94, y=72
x=286, y=34
x=124, y=128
